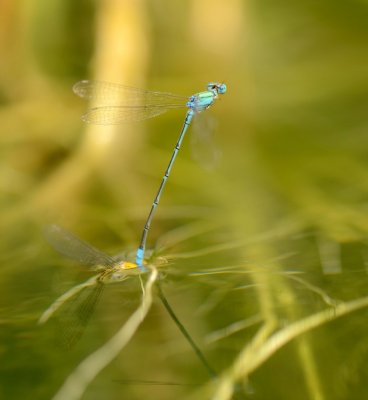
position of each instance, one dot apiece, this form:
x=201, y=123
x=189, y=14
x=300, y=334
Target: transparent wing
x=113, y=103
x=75, y=314
x=108, y=94
x=76, y=249
x=111, y=115
x=203, y=146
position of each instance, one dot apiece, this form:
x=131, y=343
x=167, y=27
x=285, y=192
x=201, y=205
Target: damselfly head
x=121, y=271
x=218, y=87
x=128, y=265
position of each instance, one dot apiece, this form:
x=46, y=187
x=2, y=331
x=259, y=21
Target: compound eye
x=221, y=88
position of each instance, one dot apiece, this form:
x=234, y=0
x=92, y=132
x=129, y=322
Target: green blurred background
x=281, y=219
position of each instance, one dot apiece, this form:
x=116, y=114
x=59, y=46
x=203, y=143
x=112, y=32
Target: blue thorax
x=201, y=101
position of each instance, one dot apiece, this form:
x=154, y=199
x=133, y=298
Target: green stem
x=182, y=329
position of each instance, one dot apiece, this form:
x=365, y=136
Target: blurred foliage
x=65, y=49
x=273, y=238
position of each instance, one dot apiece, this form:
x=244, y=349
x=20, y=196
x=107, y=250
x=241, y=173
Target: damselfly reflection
x=77, y=304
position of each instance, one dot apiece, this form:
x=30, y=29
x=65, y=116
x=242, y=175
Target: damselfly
x=78, y=303
x=114, y=104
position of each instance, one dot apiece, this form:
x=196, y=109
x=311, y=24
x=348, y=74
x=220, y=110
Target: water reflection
x=76, y=306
